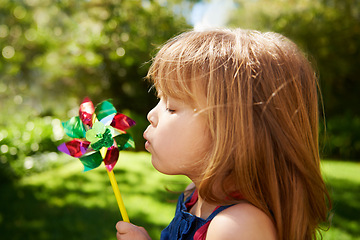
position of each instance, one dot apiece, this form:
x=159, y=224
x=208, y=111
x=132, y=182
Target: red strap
x=192, y=201
x=200, y=234
x=236, y=195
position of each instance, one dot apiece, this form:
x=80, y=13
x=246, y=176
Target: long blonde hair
x=262, y=113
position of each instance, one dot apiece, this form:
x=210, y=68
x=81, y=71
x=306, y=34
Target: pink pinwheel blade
x=122, y=122
x=111, y=158
x=86, y=111
x=75, y=148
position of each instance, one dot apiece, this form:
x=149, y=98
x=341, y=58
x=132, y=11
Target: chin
x=159, y=167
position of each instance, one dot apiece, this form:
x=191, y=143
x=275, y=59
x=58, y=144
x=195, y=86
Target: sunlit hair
x=261, y=106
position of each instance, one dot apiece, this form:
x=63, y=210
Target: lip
x=147, y=143
x=144, y=135
x=147, y=146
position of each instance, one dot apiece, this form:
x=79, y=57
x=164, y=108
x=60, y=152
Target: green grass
x=65, y=203
x=343, y=181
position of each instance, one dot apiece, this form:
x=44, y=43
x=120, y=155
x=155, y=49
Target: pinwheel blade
x=111, y=158
x=91, y=160
x=74, y=128
x=75, y=148
x=86, y=111
x=122, y=122
x=104, y=109
x=124, y=141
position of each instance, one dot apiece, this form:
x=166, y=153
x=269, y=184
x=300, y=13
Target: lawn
x=343, y=181
x=65, y=203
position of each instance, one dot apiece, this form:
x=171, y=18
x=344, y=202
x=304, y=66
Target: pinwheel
x=99, y=134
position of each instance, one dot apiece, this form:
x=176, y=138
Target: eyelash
x=170, y=110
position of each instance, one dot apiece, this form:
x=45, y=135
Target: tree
x=54, y=53
x=328, y=30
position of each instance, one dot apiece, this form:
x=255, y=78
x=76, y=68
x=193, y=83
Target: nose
x=152, y=117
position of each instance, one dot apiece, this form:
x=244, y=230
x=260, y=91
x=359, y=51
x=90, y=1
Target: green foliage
x=60, y=52
x=333, y=42
x=29, y=146
x=328, y=30
x=341, y=138
x=54, y=53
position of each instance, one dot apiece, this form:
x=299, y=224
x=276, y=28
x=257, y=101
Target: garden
x=53, y=54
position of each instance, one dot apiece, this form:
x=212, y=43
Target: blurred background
x=55, y=53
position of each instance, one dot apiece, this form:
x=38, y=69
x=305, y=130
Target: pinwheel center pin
x=99, y=136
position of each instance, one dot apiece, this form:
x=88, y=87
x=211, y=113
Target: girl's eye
x=170, y=110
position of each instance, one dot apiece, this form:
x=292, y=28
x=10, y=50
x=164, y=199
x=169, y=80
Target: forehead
x=175, y=81
x=181, y=68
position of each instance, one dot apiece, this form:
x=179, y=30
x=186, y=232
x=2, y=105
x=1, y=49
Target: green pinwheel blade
x=104, y=109
x=74, y=128
x=124, y=141
x=91, y=161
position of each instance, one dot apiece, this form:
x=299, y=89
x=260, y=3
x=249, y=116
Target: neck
x=202, y=208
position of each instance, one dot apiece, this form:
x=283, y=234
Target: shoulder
x=241, y=221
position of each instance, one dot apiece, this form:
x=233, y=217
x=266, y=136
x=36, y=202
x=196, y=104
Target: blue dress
x=185, y=225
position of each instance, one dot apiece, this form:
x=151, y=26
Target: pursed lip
x=145, y=134
x=147, y=143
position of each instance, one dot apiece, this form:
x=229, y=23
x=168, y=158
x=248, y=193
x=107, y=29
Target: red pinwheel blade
x=122, y=122
x=75, y=148
x=86, y=111
x=111, y=158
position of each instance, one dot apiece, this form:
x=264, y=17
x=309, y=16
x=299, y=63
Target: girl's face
x=177, y=138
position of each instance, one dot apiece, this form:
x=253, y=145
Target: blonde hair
x=262, y=112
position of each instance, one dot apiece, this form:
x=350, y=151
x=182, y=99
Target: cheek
x=199, y=134
x=164, y=142
x=192, y=143
x=176, y=147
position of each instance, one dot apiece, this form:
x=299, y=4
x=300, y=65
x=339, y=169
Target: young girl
x=238, y=115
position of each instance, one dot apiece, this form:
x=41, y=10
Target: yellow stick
x=118, y=196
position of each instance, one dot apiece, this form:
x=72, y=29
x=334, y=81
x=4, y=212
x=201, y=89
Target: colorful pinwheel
x=99, y=134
